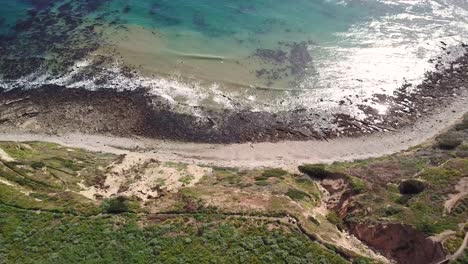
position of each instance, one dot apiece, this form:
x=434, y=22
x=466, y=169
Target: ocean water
x=269, y=55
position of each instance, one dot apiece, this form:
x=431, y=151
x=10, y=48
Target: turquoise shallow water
x=323, y=48
x=248, y=21
x=10, y=13
x=251, y=24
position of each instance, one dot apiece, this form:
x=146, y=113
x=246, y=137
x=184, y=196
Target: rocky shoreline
x=57, y=109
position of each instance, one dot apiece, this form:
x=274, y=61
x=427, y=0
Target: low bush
x=262, y=183
x=115, y=205
x=37, y=165
x=411, y=186
x=403, y=200
x=277, y=173
x=449, y=141
x=297, y=195
x=261, y=178
x=429, y=227
x=315, y=170
x=454, y=242
x=357, y=185
x=391, y=210
x=333, y=218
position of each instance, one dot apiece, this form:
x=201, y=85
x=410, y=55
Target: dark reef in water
x=42, y=40
x=291, y=60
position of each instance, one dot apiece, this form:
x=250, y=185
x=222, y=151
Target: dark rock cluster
x=42, y=40
x=292, y=60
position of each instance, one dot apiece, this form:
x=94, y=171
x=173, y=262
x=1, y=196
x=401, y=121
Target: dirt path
x=461, y=191
x=5, y=157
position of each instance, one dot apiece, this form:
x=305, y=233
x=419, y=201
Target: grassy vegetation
x=450, y=140
x=357, y=185
x=186, y=180
x=453, y=243
x=297, y=195
x=315, y=170
x=462, y=260
x=277, y=173
x=66, y=202
x=44, y=219
x=175, y=165
x=335, y=219
x=51, y=167
x=115, y=205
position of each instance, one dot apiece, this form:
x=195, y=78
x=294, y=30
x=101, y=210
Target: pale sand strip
x=286, y=154
x=5, y=157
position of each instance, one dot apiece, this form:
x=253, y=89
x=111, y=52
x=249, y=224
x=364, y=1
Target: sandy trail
x=461, y=190
x=5, y=157
x=286, y=154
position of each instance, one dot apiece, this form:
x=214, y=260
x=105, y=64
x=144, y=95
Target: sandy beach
x=286, y=154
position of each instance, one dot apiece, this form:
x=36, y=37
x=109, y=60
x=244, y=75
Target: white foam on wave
x=380, y=55
x=374, y=57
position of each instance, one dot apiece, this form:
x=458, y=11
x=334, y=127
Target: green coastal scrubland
x=44, y=219
x=229, y=214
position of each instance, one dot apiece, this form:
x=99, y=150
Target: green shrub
x=302, y=179
x=440, y=177
x=430, y=226
x=70, y=164
x=277, y=173
x=426, y=227
x=315, y=171
x=41, y=196
x=449, y=141
x=37, y=165
x=296, y=194
x=363, y=260
x=333, y=218
x=261, y=183
x=115, y=205
x=454, y=242
x=403, y=200
x=460, y=207
x=261, y=178
x=411, y=186
x=391, y=210
x=357, y=185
